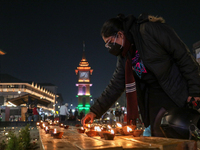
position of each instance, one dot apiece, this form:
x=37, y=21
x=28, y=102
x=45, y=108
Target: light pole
x=71, y=106
x=92, y=102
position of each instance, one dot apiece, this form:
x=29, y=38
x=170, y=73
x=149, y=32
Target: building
x=16, y=95
x=84, y=84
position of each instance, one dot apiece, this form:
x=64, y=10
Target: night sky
x=44, y=39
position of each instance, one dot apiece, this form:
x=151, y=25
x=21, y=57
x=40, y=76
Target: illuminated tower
x=83, y=72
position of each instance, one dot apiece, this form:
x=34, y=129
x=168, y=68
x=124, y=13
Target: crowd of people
x=34, y=114
x=116, y=116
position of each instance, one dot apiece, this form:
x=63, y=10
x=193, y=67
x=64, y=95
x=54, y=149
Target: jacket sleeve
x=169, y=40
x=113, y=91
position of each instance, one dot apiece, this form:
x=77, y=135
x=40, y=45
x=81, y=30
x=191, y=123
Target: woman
x=111, y=116
x=152, y=60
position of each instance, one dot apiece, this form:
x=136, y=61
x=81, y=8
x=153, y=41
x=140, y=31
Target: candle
x=119, y=125
x=112, y=131
x=47, y=129
x=55, y=131
x=97, y=128
x=81, y=130
x=109, y=135
x=129, y=129
x=109, y=127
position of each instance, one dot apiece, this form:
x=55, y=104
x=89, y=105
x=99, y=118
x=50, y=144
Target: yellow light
x=119, y=125
x=129, y=129
x=112, y=132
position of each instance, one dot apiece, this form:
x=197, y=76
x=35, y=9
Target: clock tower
x=84, y=84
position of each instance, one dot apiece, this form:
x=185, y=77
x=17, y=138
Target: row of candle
x=53, y=132
x=123, y=130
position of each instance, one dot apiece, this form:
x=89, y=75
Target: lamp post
x=71, y=106
x=92, y=102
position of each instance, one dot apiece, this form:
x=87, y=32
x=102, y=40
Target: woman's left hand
x=195, y=98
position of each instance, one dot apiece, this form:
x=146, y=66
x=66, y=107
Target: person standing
x=81, y=114
x=76, y=114
x=35, y=114
x=154, y=66
x=30, y=113
x=122, y=116
x=111, y=116
x=117, y=115
x=63, y=112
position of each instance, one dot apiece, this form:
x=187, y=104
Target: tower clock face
x=83, y=74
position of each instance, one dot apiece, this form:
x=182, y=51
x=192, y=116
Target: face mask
x=114, y=48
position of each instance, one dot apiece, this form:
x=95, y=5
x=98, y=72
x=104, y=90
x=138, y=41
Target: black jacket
x=164, y=54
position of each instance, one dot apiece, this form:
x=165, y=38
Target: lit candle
x=112, y=132
x=119, y=125
x=109, y=127
x=97, y=128
x=129, y=129
x=55, y=131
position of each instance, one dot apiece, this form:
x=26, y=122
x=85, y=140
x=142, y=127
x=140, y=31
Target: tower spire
x=83, y=57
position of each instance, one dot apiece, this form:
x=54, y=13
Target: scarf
x=131, y=94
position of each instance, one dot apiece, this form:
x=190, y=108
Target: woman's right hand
x=88, y=117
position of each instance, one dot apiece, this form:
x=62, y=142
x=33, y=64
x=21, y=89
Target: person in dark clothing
x=76, y=114
x=30, y=113
x=117, y=115
x=81, y=114
x=154, y=66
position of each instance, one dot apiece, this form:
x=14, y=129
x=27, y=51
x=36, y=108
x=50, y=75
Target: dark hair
x=112, y=26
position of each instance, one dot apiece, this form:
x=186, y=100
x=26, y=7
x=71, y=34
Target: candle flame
x=55, y=131
x=129, y=129
x=88, y=125
x=82, y=128
x=97, y=128
x=112, y=132
x=119, y=125
x=43, y=125
x=61, y=124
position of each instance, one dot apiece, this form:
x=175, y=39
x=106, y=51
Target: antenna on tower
x=83, y=45
x=83, y=57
